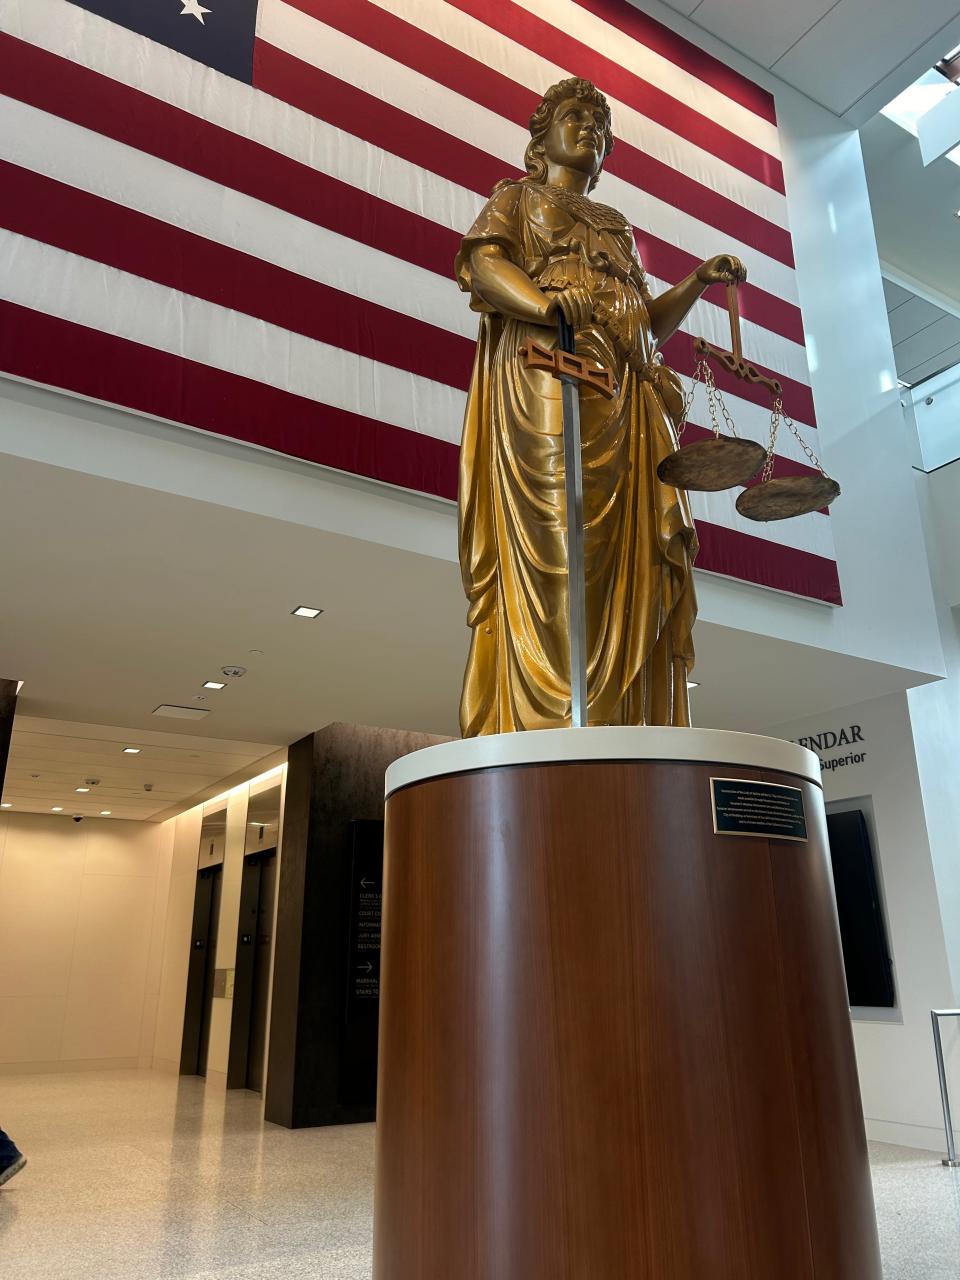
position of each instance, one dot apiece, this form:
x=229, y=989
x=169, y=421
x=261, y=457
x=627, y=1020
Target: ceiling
x=851, y=56
x=926, y=339
x=914, y=212
x=49, y=759
x=122, y=597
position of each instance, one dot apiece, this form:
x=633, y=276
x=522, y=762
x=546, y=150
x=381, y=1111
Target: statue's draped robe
x=638, y=533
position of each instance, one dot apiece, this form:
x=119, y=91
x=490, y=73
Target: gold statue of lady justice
x=541, y=246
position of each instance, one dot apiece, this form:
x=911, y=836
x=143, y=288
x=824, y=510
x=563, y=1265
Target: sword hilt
x=566, y=334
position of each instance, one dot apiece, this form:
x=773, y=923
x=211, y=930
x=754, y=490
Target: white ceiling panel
x=782, y=26
x=895, y=294
x=936, y=364
x=851, y=56
x=912, y=316
x=857, y=44
x=932, y=343
x=926, y=339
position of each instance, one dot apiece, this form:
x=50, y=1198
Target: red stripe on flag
x=75, y=93
x=78, y=222
x=338, y=103
x=684, y=54
x=769, y=564
x=56, y=352
x=533, y=32
x=46, y=349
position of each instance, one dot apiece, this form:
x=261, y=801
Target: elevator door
x=200, y=974
x=248, y=1032
x=261, y=974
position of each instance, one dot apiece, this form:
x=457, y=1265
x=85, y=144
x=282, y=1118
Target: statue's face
x=575, y=138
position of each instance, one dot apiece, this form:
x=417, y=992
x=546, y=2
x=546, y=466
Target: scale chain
x=776, y=418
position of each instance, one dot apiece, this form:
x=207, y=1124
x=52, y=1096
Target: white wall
x=82, y=907
x=898, y=1077
x=935, y=711
x=942, y=507
x=175, y=945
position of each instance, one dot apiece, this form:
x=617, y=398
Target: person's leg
x=11, y=1159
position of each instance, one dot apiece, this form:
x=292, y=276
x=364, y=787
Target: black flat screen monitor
x=863, y=933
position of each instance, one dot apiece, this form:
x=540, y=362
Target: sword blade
x=576, y=581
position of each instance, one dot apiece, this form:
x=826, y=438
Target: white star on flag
x=194, y=8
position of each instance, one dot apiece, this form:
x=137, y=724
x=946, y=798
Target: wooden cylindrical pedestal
x=613, y=1043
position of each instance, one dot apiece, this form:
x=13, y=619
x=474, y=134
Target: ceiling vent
x=181, y=713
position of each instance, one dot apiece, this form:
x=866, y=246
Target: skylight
x=922, y=96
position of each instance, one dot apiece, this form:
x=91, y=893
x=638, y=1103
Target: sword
x=573, y=494
x=572, y=370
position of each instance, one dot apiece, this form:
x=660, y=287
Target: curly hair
x=542, y=118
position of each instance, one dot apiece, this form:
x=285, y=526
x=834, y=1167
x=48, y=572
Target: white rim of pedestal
x=603, y=742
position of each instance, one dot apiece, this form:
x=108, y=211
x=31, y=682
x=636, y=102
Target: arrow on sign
x=367, y=968
x=364, y=883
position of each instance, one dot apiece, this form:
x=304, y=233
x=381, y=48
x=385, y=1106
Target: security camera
x=78, y=817
x=148, y=786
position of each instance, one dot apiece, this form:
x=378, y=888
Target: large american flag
x=242, y=215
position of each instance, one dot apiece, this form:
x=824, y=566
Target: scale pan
x=709, y=465
x=787, y=496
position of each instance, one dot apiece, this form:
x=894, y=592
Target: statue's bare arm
x=668, y=312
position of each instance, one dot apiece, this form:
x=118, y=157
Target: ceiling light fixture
x=131, y=751
x=214, y=684
x=6, y=805
x=83, y=788
x=306, y=611
x=104, y=813
x=57, y=808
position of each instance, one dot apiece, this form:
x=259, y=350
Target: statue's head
x=572, y=127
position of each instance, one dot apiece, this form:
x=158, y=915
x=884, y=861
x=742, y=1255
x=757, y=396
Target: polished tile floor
x=134, y=1176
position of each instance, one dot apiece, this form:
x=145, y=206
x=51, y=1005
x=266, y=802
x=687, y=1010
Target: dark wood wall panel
x=613, y=1044
x=334, y=776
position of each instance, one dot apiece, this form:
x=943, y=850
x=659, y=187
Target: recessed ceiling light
x=306, y=611
x=57, y=808
x=83, y=788
x=104, y=813
x=214, y=684
x=131, y=751
x=6, y=805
